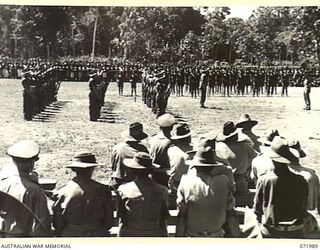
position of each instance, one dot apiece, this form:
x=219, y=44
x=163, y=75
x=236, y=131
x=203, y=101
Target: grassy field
x=69, y=130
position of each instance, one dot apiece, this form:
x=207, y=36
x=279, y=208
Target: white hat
x=166, y=120
x=26, y=149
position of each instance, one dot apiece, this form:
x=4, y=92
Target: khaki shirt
x=313, y=185
x=178, y=166
x=142, y=208
x=236, y=154
x=204, y=200
x=83, y=208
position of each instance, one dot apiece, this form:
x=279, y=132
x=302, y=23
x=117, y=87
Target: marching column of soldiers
x=39, y=90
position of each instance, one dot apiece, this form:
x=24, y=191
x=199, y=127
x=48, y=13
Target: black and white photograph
x=160, y=122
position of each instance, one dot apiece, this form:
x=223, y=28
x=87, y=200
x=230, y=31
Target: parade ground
x=65, y=127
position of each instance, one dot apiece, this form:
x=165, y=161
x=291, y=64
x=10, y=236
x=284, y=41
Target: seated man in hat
x=246, y=124
x=83, y=207
x=177, y=154
x=142, y=205
x=280, y=201
x=237, y=154
x=21, y=182
x=126, y=149
x=159, y=145
x=204, y=198
x=262, y=164
x=309, y=175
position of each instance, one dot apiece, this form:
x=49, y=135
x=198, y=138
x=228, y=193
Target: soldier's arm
x=108, y=220
x=182, y=215
x=258, y=201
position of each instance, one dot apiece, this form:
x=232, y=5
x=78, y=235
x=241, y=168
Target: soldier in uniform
x=120, y=81
x=193, y=83
x=285, y=82
x=83, y=207
x=126, y=149
x=21, y=182
x=133, y=81
x=142, y=202
x=306, y=92
x=203, y=83
x=162, y=90
x=27, y=84
x=159, y=145
x=94, y=100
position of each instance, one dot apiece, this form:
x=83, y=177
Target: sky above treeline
x=243, y=12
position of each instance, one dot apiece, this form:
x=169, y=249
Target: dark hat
x=135, y=132
x=229, y=130
x=246, y=122
x=25, y=149
x=180, y=131
x=299, y=152
x=269, y=137
x=140, y=160
x=205, y=154
x=166, y=120
x=280, y=151
x=83, y=160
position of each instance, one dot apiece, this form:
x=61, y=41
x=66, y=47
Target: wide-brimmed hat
x=269, y=137
x=205, y=154
x=83, y=160
x=166, y=120
x=229, y=130
x=279, y=151
x=298, y=150
x=180, y=131
x=246, y=122
x=135, y=132
x=140, y=160
x=26, y=149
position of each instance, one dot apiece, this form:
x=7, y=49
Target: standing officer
x=27, y=96
x=120, y=81
x=94, y=100
x=306, y=93
x=203, y=87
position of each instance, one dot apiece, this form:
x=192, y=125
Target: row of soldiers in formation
x=157, y=83
x=204, y=176
x=39, y=90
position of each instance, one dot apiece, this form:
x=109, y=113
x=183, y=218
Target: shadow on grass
x=50, y=111
x=216, y=108
x=107, y=114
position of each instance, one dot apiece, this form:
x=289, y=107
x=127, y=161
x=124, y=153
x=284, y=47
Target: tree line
x=161, y=34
